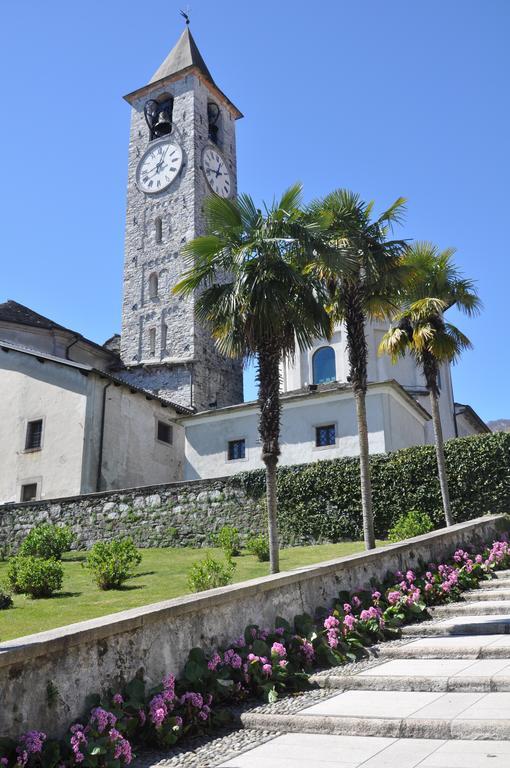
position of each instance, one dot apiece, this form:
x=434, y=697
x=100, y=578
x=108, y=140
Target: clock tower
x=181, y=149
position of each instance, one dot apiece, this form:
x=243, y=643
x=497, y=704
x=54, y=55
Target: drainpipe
x=101, y=440
x=71, y=345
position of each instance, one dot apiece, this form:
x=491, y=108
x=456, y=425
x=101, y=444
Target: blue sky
x=387, y=98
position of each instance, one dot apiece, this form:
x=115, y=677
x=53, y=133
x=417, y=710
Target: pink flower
x=410, y=576
x=277, y=649
x=267, y=669
x=376, y=595
x=117, y=699
x=349, y=621
x=331, y=622
x=283, y=663
x=347, y=608
x=142, y=717
x=213, y=662
x=279, y=631
x=232, y=658
x=356, y=602
x=393, y=597
x=102, y=718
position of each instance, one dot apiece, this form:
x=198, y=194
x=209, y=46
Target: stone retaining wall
x=177, y=514
x=93, y=656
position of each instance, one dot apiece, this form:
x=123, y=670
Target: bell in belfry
x=163, y=125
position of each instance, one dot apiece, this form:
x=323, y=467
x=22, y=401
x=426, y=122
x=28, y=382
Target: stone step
x=314, y=750
x=453, y=647
x=501, y=574
x=422, y=715
x=460, y=625
x=476, y=595
x=482, y=608
x=424, y=675
x=494, y=584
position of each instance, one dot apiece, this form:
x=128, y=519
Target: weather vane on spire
x=185, y=15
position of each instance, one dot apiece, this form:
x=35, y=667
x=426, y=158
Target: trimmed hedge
x=322, y=501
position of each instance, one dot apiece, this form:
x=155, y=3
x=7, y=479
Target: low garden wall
x=45, y=678
x=176, y=514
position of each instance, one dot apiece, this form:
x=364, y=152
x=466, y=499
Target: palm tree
x=434, y=285
x=255, y=296
x=360, y=295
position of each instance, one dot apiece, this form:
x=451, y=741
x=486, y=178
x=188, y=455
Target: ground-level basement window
x=236, y=449
x=29, y=492
x=325, y=435
x=164, y=432
x=33, y=439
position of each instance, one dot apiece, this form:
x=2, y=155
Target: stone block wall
x=177, y=514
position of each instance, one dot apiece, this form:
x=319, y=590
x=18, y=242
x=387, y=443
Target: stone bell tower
x=181, y=149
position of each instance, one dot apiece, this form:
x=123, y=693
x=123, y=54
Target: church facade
x=158, y=403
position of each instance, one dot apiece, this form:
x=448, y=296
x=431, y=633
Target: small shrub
x=228, y=539
x=34, y=576
x=209, y=573
x=5, y=600
x=258, y=546
x=113, y=562
x=414, y=523
x=47, y=540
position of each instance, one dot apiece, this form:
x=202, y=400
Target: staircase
x=440, y=700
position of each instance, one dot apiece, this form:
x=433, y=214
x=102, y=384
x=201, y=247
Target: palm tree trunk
x=441, y=464
x=364, y=467
x=269, y=430
x=357, y=350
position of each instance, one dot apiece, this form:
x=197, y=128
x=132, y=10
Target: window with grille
x=33, y=439
x=164, y=432
x=29, y=492
x=325, y=435
x=236, y=449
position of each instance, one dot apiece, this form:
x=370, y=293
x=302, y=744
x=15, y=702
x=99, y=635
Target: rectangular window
x=236, y=449
x=164, y=432
x=33, y=439
x=152, y=341
x=164, y=335
x=29, y=492
x=325, y=435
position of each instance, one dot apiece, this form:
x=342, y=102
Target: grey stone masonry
x=177, y=514
x=163, y=347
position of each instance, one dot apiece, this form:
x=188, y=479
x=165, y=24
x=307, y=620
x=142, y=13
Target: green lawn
x=161, y=575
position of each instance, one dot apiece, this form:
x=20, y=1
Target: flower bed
x=262, y=663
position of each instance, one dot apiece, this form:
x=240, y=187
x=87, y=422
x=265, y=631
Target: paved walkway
x=440, y=701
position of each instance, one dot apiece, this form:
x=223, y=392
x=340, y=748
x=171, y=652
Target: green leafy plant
x=5, y=600
x=47, y=540
x=209, y=573
x=413, y=523
x=229, y=541
x=113, y=562
x=34, y=576
x=258, y=546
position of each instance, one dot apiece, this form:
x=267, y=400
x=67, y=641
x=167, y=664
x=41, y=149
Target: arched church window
x=324, y=366
x=153, y=286
x=159, y=115
x=158, y=229
x=213, y=118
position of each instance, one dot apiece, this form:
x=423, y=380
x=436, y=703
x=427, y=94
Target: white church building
x=159, y=404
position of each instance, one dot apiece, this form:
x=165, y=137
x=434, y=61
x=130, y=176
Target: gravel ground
x=206, y=751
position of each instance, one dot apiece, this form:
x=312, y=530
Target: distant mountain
x=499, y=425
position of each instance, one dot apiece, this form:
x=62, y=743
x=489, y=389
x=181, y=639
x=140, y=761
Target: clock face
x=158, y=166
x=216, y=172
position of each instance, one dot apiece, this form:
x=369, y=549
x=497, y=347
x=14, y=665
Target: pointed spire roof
x=183, y=55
